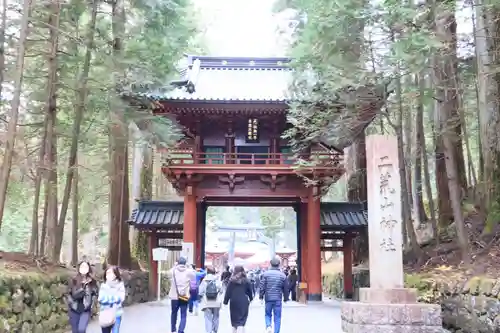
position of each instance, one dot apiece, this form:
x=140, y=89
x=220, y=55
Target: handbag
x=107, y=317
x=184, y=298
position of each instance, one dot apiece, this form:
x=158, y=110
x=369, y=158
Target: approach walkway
x=297, y=318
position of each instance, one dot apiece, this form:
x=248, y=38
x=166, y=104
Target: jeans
x=113, y=329
x=193, y=300
x=177, y=305
x=273, y=308
x=293, y=292
x=212, y=320
x=79, y=321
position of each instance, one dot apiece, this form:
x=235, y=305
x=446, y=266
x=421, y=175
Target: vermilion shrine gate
x=233, y=114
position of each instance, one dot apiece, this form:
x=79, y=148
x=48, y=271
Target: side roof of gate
x=341, y=216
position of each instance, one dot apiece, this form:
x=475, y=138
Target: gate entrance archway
x=233, y=114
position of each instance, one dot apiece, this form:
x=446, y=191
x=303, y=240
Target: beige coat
x=205, y=303
x=183, y=277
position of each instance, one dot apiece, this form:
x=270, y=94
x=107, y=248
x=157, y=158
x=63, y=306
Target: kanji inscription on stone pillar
x=384, y=212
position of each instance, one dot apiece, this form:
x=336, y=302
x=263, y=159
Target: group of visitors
x=191, y=290
x=83, y=291
x=190, y=286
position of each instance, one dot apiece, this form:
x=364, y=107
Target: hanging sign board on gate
x=160, y=254
x=188, y=252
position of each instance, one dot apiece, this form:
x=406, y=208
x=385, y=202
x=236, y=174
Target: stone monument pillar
x=387, y=306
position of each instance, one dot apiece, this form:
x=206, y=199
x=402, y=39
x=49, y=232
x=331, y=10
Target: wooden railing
x=323, y=159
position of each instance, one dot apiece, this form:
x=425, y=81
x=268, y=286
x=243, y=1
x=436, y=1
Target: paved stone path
x=297, y=318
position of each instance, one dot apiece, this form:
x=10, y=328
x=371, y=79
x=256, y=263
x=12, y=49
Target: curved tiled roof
x=163, y=214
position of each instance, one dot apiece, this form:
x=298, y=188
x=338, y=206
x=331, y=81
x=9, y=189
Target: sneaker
x=269, y=330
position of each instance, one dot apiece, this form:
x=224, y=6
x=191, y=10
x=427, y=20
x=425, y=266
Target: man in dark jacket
x=273, y=289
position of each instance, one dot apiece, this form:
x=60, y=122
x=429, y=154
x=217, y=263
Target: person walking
x=293, y=278
x=257, y=283
x=273, y=289
x=82, y=291
x=211, y=300
x=111, y=298
x=226, y=275
x=194, y=298
x=238, y=295
x=181, y=276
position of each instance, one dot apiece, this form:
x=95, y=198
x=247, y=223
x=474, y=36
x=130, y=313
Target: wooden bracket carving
x=192, y=179
x=273, y=180
x=231, y=180
x=315, y=190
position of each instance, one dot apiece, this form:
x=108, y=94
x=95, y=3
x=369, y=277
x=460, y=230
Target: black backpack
x=211, y=291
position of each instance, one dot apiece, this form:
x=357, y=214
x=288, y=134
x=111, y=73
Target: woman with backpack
x=211, y=300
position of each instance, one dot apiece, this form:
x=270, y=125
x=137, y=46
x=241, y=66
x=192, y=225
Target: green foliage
x=156, y=35
x=334, y=51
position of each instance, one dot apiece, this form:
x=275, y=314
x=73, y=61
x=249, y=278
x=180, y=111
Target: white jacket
x=205, y=303
x=183, y=277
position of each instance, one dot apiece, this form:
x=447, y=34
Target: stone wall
x=35, y=303
x=467, y=307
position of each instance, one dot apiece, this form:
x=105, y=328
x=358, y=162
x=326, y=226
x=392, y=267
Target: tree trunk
x=487, y=33
x=146, y=183
x=417, y=156
x=43, y=232
x=34, y=239
x=446, y=30
x=405, y=193
x=425, y=159
x=75, y=219
x=137, y=162
x=119, y=243
x=443, y=193
x=3, y=27
x=445, y=66
x=14, y=107
x=455, y=196
x=407, y=148
x=357, y=192
x=54, y=240
x=471, y=172
x=445, y=72
x=81, y=101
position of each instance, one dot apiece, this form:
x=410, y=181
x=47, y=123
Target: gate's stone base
x=390, y=311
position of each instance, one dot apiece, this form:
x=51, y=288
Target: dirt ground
x=16, y=263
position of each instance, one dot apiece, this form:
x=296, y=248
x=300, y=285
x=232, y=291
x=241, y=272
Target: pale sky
x=240, y=27
x=248, y=28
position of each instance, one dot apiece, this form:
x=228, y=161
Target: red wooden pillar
x=153, y=265
x=190, y=220
x=314, y=292
x=303, y=242
x=199, y=236
x=348, y=283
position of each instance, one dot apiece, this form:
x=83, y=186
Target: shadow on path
x=155, y=318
